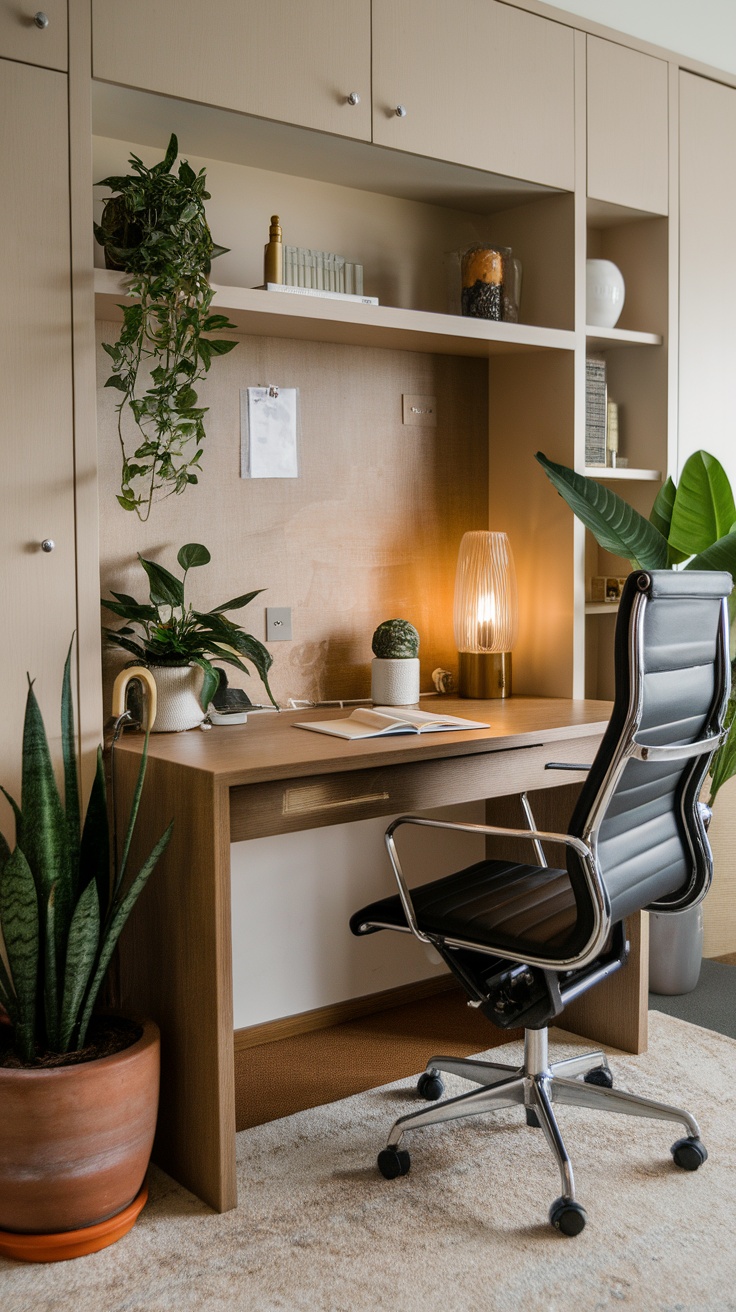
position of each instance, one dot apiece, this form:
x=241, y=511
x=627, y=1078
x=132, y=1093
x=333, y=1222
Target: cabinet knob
x=353, y=98
x=401, y=111
x=41, y=19
x=48, y=544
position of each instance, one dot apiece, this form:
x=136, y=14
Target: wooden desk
x=267, y=777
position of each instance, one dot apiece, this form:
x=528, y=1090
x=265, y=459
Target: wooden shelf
x=606, y=339
x=605, y=475
x=601, y=607
x=318, y=319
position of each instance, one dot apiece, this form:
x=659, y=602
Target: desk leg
x=176, y=967
x=616, y=1011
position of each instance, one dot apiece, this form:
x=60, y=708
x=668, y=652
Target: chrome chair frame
x=538, y=1084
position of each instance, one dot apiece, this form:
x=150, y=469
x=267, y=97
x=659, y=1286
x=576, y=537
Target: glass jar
x=491, y=283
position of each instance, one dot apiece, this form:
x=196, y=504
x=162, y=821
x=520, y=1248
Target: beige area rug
x=318, y=1229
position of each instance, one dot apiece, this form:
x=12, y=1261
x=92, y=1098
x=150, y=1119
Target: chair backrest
x=639, y=805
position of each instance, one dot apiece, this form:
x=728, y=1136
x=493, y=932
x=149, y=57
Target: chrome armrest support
x=677, y=752
x=599, y=898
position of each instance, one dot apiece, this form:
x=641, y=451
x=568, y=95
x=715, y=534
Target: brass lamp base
x=484, y=674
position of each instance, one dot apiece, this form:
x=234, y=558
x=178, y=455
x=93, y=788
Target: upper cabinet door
x=306, y=63
x=481, y=84
x=627, y=127
x=34, y=33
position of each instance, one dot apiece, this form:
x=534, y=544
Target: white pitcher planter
x=178, y=706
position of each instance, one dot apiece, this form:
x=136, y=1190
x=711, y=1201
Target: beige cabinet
x=478, y=83
x=37, y=587
x=627, y=127
x=34, y=33
x=306, y=63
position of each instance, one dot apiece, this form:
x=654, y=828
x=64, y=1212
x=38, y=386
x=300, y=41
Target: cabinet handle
x=401, y=111
x=41, y=19
x=48, y=544
x=353, y=98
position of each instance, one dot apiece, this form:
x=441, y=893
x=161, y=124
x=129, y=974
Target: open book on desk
x=381, y=721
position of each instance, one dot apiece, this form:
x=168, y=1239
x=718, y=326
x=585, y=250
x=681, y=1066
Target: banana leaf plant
x=692, y=525
x=64, y=895
x=167, y=631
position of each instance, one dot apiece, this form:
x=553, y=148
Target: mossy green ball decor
x=396, y=640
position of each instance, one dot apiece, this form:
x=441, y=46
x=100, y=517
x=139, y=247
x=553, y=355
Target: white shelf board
x=606, y=339
x=318, y=319
x=605, y=475
x=601, y=607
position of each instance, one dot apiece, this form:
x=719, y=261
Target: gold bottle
x=273, y=255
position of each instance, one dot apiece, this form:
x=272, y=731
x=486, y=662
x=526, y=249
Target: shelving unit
x=605, y=474
x=314, y=318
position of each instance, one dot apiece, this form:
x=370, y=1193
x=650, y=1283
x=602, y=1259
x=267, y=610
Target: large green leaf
x=43, y=836
x=165, y=588
x=616, y=526
x=193, y=554
x=132, y=817
x=661, y=517
x=51, y=968
x=7, y=993
x=210, y=682
x=115, y=928
x=235, y=604
x=94, y=854
x=720, y=555
x=82, y=948
x=19, y=920
x=704, y=508
x=71, y=782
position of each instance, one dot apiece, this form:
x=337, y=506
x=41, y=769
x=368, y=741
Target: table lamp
x=486, y=614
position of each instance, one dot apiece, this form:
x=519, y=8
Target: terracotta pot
x=75, y=1141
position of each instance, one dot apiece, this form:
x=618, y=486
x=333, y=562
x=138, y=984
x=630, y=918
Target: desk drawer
x=257, y=810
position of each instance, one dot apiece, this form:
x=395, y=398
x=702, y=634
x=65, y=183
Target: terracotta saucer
x=72, y=1243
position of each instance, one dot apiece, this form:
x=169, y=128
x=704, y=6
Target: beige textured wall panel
x=719, y=909
x=369, y=530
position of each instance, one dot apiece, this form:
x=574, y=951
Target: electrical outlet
x=278, y=623
x=420, y=410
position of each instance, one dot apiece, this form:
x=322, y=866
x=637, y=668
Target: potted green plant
x=79, y=1091
x=155, y=229
x=692, y=525
x=177, y=641
x=395, y=668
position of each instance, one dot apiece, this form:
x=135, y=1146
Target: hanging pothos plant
x=155, y=230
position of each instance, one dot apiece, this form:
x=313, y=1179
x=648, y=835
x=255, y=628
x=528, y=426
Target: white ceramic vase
x=177, y=694
x=395, y=682
x=604, y=293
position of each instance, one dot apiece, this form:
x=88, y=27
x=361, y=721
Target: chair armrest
x=677, y=751
x=598, y=896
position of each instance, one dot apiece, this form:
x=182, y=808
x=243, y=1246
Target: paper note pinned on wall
x=268, y=432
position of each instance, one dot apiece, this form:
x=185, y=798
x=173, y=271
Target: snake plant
x=692, y=525
x=64, y=896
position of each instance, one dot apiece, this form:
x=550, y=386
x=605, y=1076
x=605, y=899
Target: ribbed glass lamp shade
x=486, y=608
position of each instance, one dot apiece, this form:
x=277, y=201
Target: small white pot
x=395, y=682
x=605, y=293
x=177, y=692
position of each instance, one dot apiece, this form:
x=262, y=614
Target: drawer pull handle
x=300, y=800
x=41, y=20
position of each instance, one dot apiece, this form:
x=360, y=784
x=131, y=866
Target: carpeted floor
x=712, y=1003
x=318, y=1230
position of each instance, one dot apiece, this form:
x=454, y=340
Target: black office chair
x=525, y=940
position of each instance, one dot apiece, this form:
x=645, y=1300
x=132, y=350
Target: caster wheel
x=567, y=1216
x=689, y=1153
x=600, y=1076
x=393, y=1162
x=430, y=1086
x=532, y=1118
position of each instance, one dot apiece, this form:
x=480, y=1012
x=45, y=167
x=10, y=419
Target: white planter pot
x=605, y=293
x=177, y=693
x=395, y=682
x=675, y=950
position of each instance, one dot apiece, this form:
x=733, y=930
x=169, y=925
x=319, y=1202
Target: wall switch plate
x=278, y=623
x=420, y=410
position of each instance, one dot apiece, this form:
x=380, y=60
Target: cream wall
x=704, y=31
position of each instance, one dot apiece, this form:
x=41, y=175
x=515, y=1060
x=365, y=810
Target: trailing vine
x=155, y=230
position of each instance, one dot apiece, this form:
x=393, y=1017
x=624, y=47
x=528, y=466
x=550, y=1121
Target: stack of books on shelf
x=601, y=418
x=322, y=273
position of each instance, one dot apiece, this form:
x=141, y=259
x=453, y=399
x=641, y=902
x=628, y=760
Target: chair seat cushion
x=495, y=904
